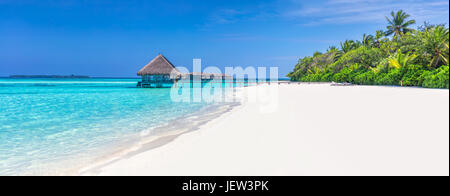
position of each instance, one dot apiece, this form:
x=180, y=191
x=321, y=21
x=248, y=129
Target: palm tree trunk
x=437, y=61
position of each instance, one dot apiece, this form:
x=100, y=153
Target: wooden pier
x=202, y=83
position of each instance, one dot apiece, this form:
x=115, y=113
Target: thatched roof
x=159, y=66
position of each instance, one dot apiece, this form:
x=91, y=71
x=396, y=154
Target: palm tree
x=380, y=34
x=436, y=42
x=367, y=40
x=399, y=60
x=349, y=45
x=332, y=49
x=335, y=52
x=398, y=24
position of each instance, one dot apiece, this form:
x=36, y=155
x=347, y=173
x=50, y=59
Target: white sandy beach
x=317, y=129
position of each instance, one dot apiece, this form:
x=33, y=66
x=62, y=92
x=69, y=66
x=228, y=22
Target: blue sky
x=116, y=38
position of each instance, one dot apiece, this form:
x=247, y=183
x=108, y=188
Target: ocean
x=48, y=126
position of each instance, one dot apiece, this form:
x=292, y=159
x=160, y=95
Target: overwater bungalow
x=161, y=73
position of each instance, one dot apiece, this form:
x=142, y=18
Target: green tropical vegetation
x=400, y=55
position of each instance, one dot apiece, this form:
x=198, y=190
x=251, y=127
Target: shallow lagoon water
x=45, y=121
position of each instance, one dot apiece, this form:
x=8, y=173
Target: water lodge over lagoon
x=161, y=73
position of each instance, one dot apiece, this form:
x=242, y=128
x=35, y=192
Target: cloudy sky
x=115, y=38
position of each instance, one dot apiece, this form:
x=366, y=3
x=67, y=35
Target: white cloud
x=360, y=11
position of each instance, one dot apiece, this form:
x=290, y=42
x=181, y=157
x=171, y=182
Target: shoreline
x=163, y=135
x=133, y=143
x=294, y=140
x=351, y=84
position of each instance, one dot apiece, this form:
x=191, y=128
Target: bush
x=312, y=78
x=367, y=78
x=413, y=75
x=371, y=62
x=369, y=57
x=343, y=75
x=438, y=78
x=327, y=77
x=393, y=77
x=348, y=74
x=410, y=75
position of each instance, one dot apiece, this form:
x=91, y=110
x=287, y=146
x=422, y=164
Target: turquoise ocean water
x=47, y=121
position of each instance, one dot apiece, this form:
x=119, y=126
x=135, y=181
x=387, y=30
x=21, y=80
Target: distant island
x=47, y=76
